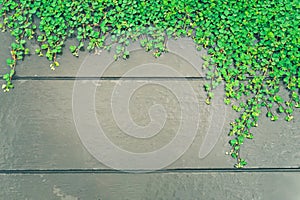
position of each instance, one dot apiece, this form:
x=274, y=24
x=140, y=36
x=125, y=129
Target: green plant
x=253, y=46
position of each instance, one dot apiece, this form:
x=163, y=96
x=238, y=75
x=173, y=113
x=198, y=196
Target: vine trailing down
x=253, y=45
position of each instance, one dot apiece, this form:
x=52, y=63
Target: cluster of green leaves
x=253, y=46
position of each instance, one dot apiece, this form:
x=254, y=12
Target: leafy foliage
x=253, y=45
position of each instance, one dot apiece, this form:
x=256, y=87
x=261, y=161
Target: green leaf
x=72, y=48
x=289, y=118
x=115, y=57
x=10, y=62
x=27, y=51
x=240, y=139
x=278, y=99
x=207, y=101
x=234, y=155
x=233, y=142
x=37, y=51
x=253, y=46
x=40, y=38
x=56, y=64
x=22, y=41
x=11, y=73
x=210, y=95
x=280, y=109
x=6, y=77
x=289, y=111
x=250, y=136
x=207, y=87
x=237, y=147
x=243, y=163
x=271, y=35
x=44, y=46
x=227, y=101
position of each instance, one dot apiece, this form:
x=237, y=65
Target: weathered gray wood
x=5, y=42
x=182, y=57
x=267, y=186
x=37, y=129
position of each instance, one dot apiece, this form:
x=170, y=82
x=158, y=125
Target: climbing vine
x=253, y=45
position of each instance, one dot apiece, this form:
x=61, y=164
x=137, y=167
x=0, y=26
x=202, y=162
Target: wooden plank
x=275, y=186
x=182, y=58
x=37, y=129
x=5, y=41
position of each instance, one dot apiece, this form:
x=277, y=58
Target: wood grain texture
x=37, y=129
x=182, y=57
x=190, y=186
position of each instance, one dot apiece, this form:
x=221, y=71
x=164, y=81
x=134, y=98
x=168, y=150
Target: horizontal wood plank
x=275, y=186
x=37, y=129
x=182, y=58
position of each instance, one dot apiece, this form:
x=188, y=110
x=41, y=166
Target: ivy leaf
x=240, y=139
x=72, y=48
x=233, y=142
x=11, y=73
x=44, y=46
x=233, y=155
